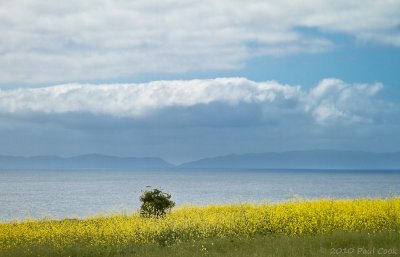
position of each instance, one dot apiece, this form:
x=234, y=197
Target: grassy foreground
x=332, y=244
x=306, y=228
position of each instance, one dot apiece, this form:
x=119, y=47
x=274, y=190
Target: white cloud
x=332, y=101
x=46, y=41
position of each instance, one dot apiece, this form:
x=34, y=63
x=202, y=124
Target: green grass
x=332, y=244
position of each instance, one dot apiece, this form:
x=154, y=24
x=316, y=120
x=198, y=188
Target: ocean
x=62, y=194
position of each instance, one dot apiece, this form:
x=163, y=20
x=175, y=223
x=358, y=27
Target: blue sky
x=186, y=79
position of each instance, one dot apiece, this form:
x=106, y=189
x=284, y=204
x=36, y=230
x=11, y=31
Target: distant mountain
x=316, y=159
x=91, y=161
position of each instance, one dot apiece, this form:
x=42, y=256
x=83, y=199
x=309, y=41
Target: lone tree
x=155, y=203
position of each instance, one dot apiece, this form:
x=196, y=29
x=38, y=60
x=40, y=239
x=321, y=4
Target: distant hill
x=316, y=159
x=91, y=161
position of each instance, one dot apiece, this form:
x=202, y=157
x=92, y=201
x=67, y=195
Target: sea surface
x=61, y=194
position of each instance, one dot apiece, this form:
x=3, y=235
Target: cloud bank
x=229, y=100
x=45, y=42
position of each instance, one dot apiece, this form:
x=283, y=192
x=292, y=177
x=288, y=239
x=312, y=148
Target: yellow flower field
x=193, y=223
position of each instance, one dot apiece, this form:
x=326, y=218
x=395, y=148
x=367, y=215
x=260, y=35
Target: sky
x=183, y=80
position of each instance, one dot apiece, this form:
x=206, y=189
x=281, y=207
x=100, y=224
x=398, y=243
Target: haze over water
x=83, y=193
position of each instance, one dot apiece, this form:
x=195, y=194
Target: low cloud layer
x=229, y=100
x=46, y=42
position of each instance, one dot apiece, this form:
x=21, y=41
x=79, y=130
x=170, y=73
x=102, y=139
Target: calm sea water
x=81, y=193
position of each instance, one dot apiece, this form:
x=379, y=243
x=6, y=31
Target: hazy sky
x=188, y=79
